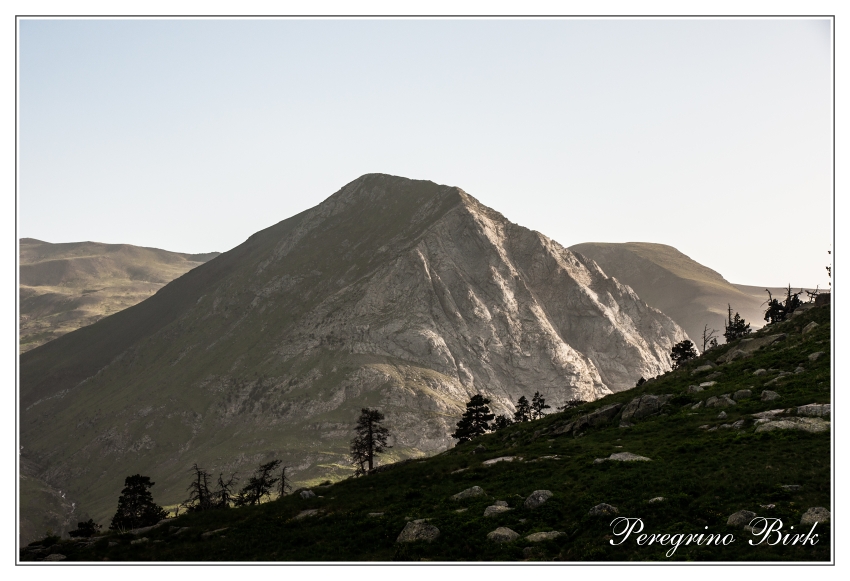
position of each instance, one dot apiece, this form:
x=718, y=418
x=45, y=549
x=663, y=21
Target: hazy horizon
x=190, y=135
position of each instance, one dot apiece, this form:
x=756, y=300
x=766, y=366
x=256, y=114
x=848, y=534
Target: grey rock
x=768, y=415
x=742, y=394
x=627, y=457
x=698, y=405
x=814, y=356
x=815, y=410
x=305, y=494
x=480, y=449
x=707, y=384
x=529, y=553
x=643, y=406
x=459, y=470
x=800, y=369
x=768, y=395
x=603, y=509
x=694, y=389
x=739, y=425
x=468, y=493
x=703, y=427
x=740, y=519
x=715, y=375
x=177, y=530
x=760, y=372
x=701, y=369
x=547, y=536
x=537, y=498
x=139, y=541
x=811, y=425
x=502, y=535
x=595, y=418
x=791, y=487
x=720, y=401
x=304, y=514
x=492, y=461
x=734, y=355
x=61, y=557
x=725, y=426
x=656, y=499
x=461, y=510
x=748, y=346
x=721, y=416
x=418, y=531
x=500, y=503
x=809, y=328
x=493, y=510
x=816, y=514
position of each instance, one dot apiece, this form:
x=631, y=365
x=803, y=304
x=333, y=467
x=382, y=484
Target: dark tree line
x=371, y=439
x=476, y=420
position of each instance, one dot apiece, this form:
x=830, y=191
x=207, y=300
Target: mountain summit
x=392, y=293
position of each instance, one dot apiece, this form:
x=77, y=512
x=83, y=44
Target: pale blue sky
x=713, y=136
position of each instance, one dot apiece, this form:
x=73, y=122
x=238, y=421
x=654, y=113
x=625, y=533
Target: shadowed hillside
x=691, y=294
x=71, y=285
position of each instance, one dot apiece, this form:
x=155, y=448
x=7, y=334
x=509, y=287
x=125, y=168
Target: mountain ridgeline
x=392, y=293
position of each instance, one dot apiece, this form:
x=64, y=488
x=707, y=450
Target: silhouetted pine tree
x=136, y=507
x=475, y=421
x=523, y=410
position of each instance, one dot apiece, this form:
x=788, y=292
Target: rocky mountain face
x=693, y=295
x=67, y=286
x=392, y=293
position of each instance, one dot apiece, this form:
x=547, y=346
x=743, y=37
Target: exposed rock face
x=815, y=410
x=468, y=493
x=748, y=346
x=418, y=531
x=812, y=425
x=643, y=406
x=393, y=293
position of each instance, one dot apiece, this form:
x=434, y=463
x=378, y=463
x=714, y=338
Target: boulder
x=814, y=356
x=468, y=493
x=800, y=369
x=759, y=371
x=768, y=415
x=809, y=328
x=502, y=535
x=701, y=369
x=305, y=494
x=500, y=503
x=814, y=410
x=715, y=375
x=802, y=309
x=739, y=425
x=740, y=519
x=306, y=513
x=418, y=530
x=643, y=406
x=707, y=384
x=698, y=405
x=480, y=449
x=603, y=510
x=768, y=395
x=375, y=514
x=143, y=540
x=537, y=498
x=547, y=536
x=742, y=394
x=734, y=355
x=694, y=389
x=595, y=418
x=721, y=416
x=627, y=457
x=656, y=499
x=748, y=346
x=721, y=401
x=811, y=425
x=815, y=514
x=529, y=553
x=492, y=461
x=495, y=509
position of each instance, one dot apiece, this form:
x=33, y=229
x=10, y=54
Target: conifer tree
x=136, y=507
x=523, y=410
x=736, y=327
x=371, y=439
x=502, y=422
x=538, y=404
x=682, y=351
x=259, y=485
x=475, y=421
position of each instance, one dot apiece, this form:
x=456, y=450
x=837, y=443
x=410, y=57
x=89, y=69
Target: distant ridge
x=70, y=285
x=692, y=294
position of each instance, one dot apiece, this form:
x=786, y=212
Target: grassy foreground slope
x=704, y=476
x=68, y=286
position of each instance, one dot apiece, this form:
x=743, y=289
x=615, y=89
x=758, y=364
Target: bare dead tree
x=709, y=338
x=284, y=485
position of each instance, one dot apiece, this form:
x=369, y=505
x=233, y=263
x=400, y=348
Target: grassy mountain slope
x=704, y=476
x=396, y=293
x=68, y=286
x=691, y=294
